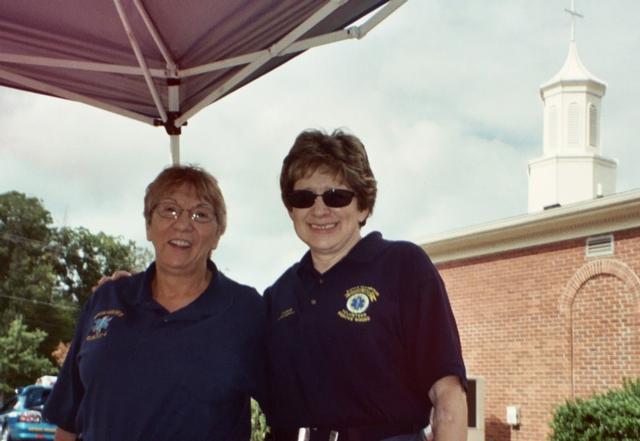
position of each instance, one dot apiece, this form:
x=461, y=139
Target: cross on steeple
x=573, y=14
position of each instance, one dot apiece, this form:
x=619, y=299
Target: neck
x=323, y=262
x=174, y=291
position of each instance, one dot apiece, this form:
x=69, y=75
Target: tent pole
x=175, y=149
x=173, y=95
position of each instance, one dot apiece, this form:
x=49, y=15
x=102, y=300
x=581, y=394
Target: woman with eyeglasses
x=362, y=341
x=175, y=352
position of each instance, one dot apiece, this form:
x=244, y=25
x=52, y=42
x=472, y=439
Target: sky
x=444, y=94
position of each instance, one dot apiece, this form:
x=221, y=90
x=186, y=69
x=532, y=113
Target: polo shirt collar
x=213, y=301
x=364, y=251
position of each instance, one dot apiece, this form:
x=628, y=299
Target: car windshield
x=37, y=397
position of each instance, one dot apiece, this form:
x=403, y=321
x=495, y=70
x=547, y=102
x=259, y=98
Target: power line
x=39, y=324
x=39, y=302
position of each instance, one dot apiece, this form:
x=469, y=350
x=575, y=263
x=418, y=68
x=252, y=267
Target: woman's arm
x=63, y=435
x=449, y=400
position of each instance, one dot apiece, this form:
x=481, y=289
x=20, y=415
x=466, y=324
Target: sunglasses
x=334, y=198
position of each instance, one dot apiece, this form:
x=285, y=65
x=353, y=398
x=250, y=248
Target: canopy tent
x=162, y=61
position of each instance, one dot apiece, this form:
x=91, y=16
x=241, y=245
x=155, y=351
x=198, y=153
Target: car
x=21, y=416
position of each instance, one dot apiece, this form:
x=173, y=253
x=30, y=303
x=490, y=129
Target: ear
x=290, y=213
x=363, y=215
x=215, y=242
x=148, y=231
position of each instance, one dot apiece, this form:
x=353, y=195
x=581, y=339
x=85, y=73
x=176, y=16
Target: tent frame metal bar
x=173, y=120
x=172, y=69
x=274, y=51
x=141, y=61
x=73, y=96
x=78, y=65
x=173, y=84
x=353, y=32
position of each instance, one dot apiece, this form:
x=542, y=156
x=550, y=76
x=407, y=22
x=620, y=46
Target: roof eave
x=612, y=213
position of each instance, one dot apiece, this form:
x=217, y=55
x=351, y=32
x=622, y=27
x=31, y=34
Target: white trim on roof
x=617, y=212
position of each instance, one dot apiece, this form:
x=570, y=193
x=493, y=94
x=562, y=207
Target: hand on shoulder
x=115, y=276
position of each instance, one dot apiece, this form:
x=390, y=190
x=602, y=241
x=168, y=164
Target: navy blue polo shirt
x=137, y=372
x=361, y=344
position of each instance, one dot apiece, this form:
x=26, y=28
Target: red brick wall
x=547, y=323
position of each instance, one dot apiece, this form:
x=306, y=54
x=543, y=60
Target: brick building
x=548, y=307
x=548, y=303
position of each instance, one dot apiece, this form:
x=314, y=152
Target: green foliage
x=84, y=257
x=46, y=273
x=614, y=415
x=259, y=427
x=27, y=277
x=20, y=363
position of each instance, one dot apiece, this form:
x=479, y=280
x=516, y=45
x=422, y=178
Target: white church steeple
x=571, y=168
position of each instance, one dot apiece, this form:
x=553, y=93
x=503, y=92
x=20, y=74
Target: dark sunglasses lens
x=337, y=198
x=301, y=198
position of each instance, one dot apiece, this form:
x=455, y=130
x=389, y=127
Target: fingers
x=102, y=281
x=120, y=274
x=115, y=276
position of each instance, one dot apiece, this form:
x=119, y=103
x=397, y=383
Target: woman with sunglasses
x=362, y=341
x=173, y=353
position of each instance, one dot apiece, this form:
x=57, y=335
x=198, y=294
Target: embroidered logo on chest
x=359, y=299
x=101, y=323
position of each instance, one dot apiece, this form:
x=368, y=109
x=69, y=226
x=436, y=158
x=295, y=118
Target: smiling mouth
x=180, y=243
x=323, y=227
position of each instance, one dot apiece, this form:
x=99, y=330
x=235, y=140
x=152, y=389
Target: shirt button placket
x=313, y=300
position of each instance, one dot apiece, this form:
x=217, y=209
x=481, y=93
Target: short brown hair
x=339, y=153
x=205, y=185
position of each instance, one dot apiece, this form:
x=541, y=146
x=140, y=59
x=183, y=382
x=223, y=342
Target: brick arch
x=585, y=273
x=594, y=268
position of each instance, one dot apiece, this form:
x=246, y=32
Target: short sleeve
x=429, y=326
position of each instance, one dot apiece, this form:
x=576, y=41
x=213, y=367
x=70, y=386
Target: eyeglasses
x=334, y=198
x=202, y=214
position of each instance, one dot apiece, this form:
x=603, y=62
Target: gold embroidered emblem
x=359, y=299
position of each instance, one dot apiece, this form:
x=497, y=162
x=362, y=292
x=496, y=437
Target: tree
x=24, y=266
x=20, y=362
x=27, y=278
x=84, y=257
x=46, y=273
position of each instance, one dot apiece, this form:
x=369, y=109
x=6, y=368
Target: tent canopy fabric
x=161, y=61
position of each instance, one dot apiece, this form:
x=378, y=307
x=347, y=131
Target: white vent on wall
x=599, y=245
